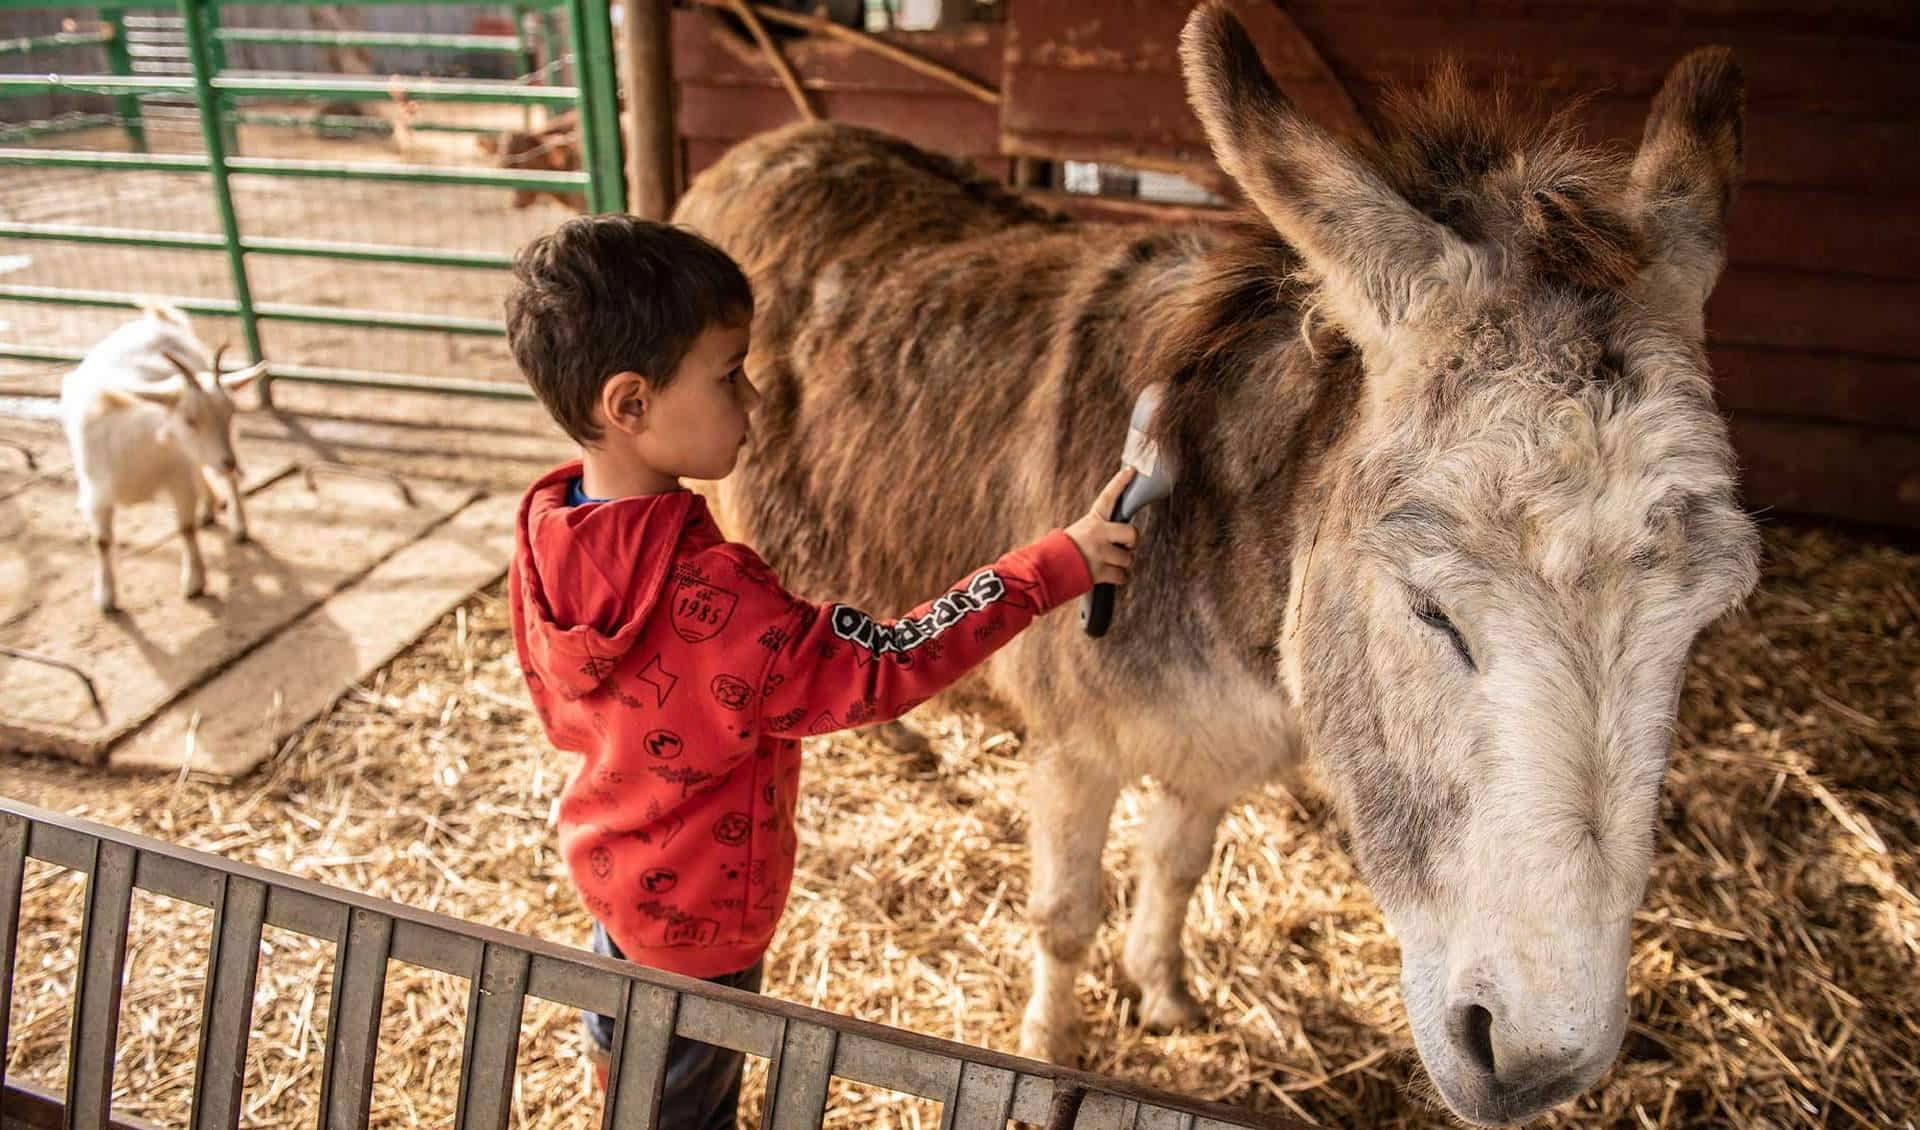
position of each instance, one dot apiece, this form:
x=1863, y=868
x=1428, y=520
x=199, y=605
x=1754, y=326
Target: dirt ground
x=1773, y=978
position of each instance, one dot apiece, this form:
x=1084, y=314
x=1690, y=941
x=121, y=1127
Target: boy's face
x=696, y=426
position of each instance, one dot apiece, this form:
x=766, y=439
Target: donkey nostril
x=1476, y=1037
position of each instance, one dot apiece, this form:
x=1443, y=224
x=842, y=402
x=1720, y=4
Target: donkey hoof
x=1170, y=1010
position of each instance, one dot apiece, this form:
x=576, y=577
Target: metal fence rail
x=217, y=92
x=806, y=1048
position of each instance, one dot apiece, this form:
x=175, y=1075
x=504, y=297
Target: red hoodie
x=674, y=662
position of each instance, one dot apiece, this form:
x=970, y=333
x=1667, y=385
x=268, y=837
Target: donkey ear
x=1374, y=252
x=1687, y=169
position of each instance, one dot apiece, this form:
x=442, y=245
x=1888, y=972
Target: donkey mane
x=1496, y=170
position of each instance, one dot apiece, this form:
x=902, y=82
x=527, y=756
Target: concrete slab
x=239, y=717
x=309, y=543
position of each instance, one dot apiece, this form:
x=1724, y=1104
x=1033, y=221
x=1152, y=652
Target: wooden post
x=652, y=142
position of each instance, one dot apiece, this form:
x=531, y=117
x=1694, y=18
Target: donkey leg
x=1176, y=848
x=1069, y=804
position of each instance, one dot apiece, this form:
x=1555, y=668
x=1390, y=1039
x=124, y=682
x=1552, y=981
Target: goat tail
x=161, y=311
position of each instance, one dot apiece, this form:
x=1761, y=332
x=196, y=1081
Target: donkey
x=1453, y=502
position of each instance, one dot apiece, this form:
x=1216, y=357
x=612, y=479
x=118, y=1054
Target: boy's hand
x=1107, y=545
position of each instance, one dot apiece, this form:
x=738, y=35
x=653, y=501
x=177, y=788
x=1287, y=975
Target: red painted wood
x=703, y=53
x=1801, y=310
x=1839, y=470
x=1836, y=387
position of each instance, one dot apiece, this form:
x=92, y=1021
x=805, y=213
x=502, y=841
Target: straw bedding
x=1774, y=974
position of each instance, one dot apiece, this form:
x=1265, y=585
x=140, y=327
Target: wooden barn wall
x=1815, y=327
x=727, y=92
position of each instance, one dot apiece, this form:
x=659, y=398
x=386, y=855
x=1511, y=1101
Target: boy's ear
x=624, y=399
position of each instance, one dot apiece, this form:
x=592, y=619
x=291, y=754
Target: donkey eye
x=1434, y=617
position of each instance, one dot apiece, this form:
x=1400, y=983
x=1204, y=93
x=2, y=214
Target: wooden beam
x=880, y=46
x=774, y=58
x=652, y=183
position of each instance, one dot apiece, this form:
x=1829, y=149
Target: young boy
x=670, y=658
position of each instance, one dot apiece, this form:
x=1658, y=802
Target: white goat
x=148, y=412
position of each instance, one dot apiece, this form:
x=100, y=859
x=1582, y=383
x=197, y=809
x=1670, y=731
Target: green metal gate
x=225, y=99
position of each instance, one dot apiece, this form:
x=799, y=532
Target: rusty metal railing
x=978, y=1089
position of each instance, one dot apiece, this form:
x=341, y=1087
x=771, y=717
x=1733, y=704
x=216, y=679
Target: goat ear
x=1374, y=252
x=164, y=393
x=1686, y=170
x=186, y=371
x=241, y=378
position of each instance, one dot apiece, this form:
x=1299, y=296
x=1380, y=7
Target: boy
x=670, y=658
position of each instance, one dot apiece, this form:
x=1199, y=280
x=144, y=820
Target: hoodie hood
x=592, y=574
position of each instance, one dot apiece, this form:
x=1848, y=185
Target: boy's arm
x=834, y=666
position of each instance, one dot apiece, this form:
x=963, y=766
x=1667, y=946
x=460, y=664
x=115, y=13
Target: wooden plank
x=1795, y=148
x=495, y=1003
x=1836, y=387
x=1835, y=470
x=98, y=980
x=981, y=1098
x=353, y=1019
x=798, y=1078
x=643, y=1031
x=28, y=1106
x=1800, y=310
x=226, y=1010
x=13, y=870
x=707, y=55
x=1821, y=230
x=947, y=122
x=1855, y=74
x=1824, y=111
x=1095, y=115
x=1895, y=19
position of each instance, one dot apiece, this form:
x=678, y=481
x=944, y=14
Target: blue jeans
x=702, y=1089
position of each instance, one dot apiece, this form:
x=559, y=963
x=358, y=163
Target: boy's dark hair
x=601, y=295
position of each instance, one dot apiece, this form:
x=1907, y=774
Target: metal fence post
x=120, y=62
x=200, y=52
x=593, y=68
x=217, y=48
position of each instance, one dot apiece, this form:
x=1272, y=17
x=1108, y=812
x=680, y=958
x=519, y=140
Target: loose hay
x=1773, y=975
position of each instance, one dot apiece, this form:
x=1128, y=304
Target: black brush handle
x=1096, y=614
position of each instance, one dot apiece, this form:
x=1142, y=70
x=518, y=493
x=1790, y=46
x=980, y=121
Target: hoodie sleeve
x=834, y=667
